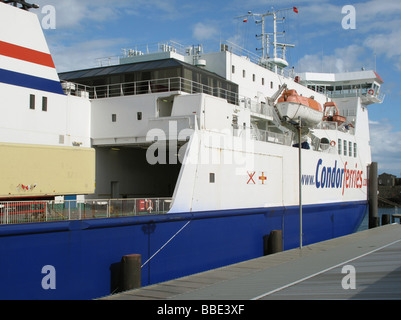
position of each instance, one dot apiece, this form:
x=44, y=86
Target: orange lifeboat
x=293, y=106
x=331, y=113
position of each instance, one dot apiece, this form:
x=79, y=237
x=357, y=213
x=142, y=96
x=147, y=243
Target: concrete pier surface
x=363, y=265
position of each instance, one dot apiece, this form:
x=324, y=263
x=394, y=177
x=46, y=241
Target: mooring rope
x=165, y=244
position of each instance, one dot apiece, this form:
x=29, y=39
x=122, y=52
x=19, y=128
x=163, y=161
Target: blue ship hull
x=86, y=254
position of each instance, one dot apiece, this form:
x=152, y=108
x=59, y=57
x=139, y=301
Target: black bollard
x=130, y=272
x=374, y=219
x=273, y=243
x=385, y=219
x=266, y=245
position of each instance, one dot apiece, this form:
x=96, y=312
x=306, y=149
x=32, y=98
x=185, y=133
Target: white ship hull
x=254, y=174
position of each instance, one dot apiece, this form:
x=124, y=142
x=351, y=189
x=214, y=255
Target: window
x=345, y=147
x=235, y=121
x=271, y=84
x=350, y=149
x=32, y=102
x=211, y=177
x=113, y=117
x=44, y=103
x=263, y=81
x=232, y=69
x=339, y=147
x=253, y=77
x=243, y=73
x=355, y=150
x=139, y=115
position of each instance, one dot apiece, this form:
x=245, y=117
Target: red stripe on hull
x=25, y=54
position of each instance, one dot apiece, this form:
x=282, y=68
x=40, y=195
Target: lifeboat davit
x=293, y=106
x=331, y=113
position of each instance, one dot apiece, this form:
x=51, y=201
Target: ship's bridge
x=363, y=84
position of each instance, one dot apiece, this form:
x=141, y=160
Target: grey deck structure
x=313, y=272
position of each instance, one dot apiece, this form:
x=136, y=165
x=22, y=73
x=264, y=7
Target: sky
x=86, y=30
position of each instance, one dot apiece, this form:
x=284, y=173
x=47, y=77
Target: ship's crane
x=271, y=101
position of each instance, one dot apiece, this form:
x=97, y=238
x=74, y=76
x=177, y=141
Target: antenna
x=375, y=58
x=23, y=5
x=264, y=36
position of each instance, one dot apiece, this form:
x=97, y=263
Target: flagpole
x=300, y=182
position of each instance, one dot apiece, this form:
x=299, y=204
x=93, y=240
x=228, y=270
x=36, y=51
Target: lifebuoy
x=333, y=143
x=371, y=92
x=149, y=205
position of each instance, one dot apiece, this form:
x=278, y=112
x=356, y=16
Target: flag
x=295, y=9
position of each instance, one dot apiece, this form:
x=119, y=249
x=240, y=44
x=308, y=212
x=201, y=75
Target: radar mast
x=265, y=36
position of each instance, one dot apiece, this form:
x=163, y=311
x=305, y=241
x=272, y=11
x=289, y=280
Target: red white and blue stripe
x=28, y=68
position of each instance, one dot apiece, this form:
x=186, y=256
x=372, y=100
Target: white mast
x=276, y=61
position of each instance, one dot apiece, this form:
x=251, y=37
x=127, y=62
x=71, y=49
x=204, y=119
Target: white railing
x=269, y=136
x=14, y=212
x=155, y=47
x=194, y=50
x=146, y=87
x=355, y=93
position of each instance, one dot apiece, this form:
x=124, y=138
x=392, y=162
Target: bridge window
x=355, y=153
x=339, y=147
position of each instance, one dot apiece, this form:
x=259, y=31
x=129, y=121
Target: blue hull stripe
x=32, y=82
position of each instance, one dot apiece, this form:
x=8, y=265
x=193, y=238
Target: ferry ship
x=191, y=155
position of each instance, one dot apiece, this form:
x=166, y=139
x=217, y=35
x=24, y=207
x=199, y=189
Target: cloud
x=82, y=55
x=377, y=10
x=387, y=45
x=386, y=146
x=75, y=13
x=78, y=13
x=342, y=60
x=203, y=31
